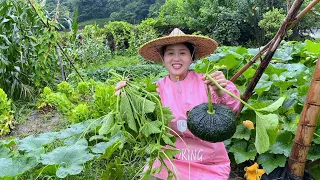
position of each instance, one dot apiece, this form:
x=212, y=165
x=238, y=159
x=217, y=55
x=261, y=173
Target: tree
x=271, y=22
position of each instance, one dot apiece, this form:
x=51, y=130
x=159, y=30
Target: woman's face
x=177, y=59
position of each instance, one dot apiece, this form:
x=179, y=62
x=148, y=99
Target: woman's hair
x=187, y=44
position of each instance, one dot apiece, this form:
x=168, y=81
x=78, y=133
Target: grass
x=118, y=61
x=100, y=22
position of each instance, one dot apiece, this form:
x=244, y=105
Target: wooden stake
x=307, y=124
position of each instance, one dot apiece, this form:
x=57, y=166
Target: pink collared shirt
x=199, y=160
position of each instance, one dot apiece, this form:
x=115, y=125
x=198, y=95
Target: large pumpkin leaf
x=271, y=69
x=312, y=47
x=290, y=122
x=5, y=152
x=266, y=128
x=69, y=158
x=79, y=128
x=12, y=167
x=242, y=132
x=271, y=161
x=243, y=151
x=107, y=148
x=230, y=61
x=283, y=143
x=314, y=152
x=249, y=73
x=283, y=54
x=274, y=106
x=263, y=85
x=34, y=144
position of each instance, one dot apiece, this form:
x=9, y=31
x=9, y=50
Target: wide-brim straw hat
x=204, y=46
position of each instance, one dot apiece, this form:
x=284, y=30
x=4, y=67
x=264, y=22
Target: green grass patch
x=100, y=22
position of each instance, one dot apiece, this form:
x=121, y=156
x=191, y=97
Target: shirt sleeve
x=226, y=99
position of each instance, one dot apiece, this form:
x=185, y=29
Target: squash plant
x=287, y=76
x=221, y=123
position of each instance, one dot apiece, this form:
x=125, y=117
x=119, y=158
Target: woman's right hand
x=119, y=85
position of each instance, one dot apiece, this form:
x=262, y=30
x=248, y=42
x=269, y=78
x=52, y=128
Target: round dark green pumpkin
x=215, y=127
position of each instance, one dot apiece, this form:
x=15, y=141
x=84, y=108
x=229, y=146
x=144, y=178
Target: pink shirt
x=202, y=159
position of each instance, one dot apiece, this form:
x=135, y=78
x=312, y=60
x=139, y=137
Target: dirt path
x=38, y=123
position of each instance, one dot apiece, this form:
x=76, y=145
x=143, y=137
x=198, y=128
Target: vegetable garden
x=104, y=136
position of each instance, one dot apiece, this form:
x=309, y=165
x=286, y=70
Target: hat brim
x=204, y=46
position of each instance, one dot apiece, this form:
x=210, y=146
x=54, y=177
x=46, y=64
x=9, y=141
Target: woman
x=182, y=90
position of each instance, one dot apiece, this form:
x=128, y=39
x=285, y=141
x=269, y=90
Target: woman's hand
x=119, y=85
x=220, y=78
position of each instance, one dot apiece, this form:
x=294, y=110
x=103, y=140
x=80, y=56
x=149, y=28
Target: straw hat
x=203, y=45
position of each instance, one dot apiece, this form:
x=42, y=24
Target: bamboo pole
x=306, y=127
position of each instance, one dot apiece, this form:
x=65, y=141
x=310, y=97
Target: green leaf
x=114, y=171
x=229, y=61
x=108, y=122
x=312, y=47
x=314, y=152
x=12, y=167
x=263, y=85
x=75, y=26
x=271, y=69
x=167, y=114
x=69, y=158
x=150, y=87
x=271, y=161
x=34, y=144
x=241, y=50
x=47, y=170
x=167, y=140
x=169, y=153
x=5, y=152
x=242, y=132
x=285, y=84
x=264, y=125
x=5, y=38
x=243, y=151
x=290, y=122
x=126, y=112
x=151, y=128
x=315, y=172
x=107, y=148
x=283, y=144
x=143, y=105
x=274, y=106
x=249, y=73
x=152, y=148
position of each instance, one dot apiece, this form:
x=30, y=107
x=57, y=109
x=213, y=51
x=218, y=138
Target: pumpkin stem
x=210, y=108
x=228, y=92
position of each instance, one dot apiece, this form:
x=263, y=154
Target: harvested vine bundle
x=142, y=120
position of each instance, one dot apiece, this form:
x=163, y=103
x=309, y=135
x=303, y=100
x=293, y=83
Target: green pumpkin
x=212, y=127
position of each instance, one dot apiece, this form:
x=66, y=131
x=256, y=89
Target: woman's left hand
x=220, y=78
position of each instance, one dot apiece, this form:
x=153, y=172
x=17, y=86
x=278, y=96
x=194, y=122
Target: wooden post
x=307, y=124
